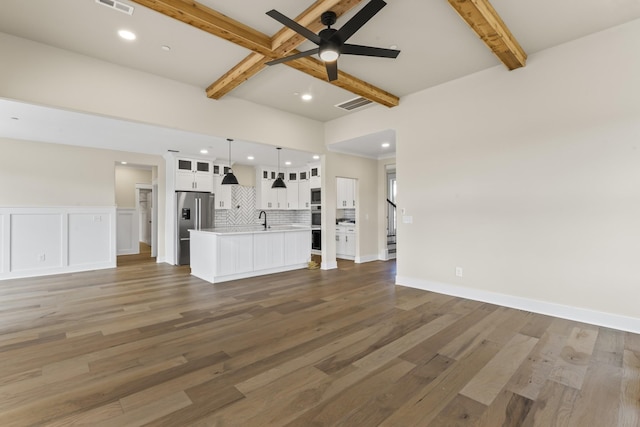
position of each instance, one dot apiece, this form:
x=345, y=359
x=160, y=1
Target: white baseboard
x=59, y=270
x=598, y=318
x=328, y=265
x=366, y=258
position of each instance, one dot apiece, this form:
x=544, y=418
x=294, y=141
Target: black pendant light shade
x=278, y=183
x=229, y=178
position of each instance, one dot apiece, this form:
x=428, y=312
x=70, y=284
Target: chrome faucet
x=265, y=218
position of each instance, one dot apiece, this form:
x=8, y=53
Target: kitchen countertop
x=252, y=229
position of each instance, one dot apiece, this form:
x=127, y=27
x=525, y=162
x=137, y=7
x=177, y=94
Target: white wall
x=39, y=74
x=246, y=175
x=43, y=175
x=126, y=180
x=364, y=171
x=528, y=180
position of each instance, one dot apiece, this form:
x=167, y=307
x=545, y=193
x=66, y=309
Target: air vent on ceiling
x=354, y=103
x=114, y=4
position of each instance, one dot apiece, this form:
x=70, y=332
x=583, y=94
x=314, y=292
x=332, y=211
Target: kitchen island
x=230, y=253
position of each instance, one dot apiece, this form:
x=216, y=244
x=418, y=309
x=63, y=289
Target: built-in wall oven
x=316, y=216
x=316, y=194
x=316, y=227
x=316, y=240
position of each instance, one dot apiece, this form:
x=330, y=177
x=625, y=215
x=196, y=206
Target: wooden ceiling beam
x=317, y=69
x=487, y=24
x=213, y=22
x=282, y=43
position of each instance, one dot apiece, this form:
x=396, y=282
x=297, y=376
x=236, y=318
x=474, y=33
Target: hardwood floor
x=147, y=344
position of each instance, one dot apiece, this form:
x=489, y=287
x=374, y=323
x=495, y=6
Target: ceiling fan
x=331, y=42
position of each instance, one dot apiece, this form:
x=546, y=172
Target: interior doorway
x=346, y=227
x=392, y=212
x=136, y=197
x=146, y=203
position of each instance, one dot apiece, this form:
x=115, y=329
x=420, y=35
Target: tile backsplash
x=243, y=211
x=349, y=214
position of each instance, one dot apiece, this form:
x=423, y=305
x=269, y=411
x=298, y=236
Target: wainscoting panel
x=128, y=234
x=87, y=234
x=53, y=240
x=4, y=244
x=36, y=241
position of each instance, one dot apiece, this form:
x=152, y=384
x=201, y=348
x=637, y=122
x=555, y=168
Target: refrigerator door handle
x=197, y=224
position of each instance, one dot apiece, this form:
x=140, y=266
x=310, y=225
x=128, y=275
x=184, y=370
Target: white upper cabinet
x=293, y=185
x=194, y=175
x=222, y=192
x=266, y=197
x=314, y=176
x=296, y=196
x=304, y=189
x=346, y=193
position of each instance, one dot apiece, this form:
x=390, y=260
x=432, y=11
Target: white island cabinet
x=222, y=254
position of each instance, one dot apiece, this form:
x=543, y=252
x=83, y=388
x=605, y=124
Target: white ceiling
x=436, y=47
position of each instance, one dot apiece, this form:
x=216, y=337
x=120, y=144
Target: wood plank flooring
x=147, y=344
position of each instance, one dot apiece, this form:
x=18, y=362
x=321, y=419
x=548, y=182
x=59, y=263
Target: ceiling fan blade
x=354, y=49
x=332, y=70
x=288, y=22
x=295, y=56
x=359, y=19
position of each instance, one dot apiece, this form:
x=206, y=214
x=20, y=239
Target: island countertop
x=251, y=229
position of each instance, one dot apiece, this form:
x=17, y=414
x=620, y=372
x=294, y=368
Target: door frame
x=154, y=213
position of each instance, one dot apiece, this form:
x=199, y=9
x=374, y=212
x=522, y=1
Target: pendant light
x=229, y=177
x=278, y=183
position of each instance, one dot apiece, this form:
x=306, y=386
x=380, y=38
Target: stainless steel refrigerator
x=195, y=211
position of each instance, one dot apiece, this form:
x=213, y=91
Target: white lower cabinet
x=296, y=247
x=268, y=250
x=219, y=257
x=234, y=254
x=345, y=242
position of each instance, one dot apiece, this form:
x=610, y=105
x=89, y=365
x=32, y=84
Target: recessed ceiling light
x=204, y=151
x=123, y=163
x=127, y=35
x=287, y=163
x=306, y=97
x=385, y=145
x=166, y=48
x=393, y=46
x=250, y=157
x=316, y=157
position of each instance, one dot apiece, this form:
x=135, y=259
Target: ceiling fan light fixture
x=329, y=54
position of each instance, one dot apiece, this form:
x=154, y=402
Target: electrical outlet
x=41, y=257
x=459, y=271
